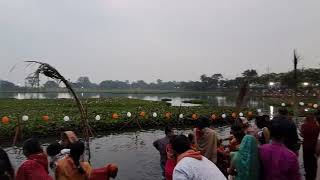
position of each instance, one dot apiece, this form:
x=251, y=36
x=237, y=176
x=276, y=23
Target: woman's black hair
x=203, y=122
x=279, y=128
x=54, y=149
x=237, y=132
x=31, y=146
x=180, y=144
x=262, y=121
x=76, y=151
x=5, y=165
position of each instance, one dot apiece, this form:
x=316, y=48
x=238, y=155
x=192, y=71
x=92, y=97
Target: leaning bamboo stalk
x=53, y=73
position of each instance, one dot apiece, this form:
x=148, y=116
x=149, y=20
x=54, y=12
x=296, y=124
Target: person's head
x=168, y=131
x=68, y=137
x=191, y=138
x=181, y=144
x=262, y=121
x=172, y=139
x=278, y=128
x=245, y=122
x=238, y=132
x=203, y=122
x=31, y=146
x=283, y=111
x=76, y=152
x=54, y=149
x=5, y=164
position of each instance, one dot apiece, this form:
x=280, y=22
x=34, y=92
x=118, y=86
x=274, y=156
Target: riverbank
x=46, y=116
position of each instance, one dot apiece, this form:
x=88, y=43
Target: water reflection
x=176, y=99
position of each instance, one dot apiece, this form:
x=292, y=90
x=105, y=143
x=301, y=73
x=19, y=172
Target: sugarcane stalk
x=53, y=73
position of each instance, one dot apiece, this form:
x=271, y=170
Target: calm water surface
x=132, y=151
x=176, y=99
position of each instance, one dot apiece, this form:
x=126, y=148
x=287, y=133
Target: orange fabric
x=66, y=170
x=190, y=153
x=111, y=170
x=72, y=137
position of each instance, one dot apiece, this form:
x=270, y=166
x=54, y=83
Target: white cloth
x=192, y=169
x=65, y=151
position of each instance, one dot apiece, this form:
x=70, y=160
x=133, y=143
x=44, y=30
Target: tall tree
x=250, y=73
x=50, y=84
x=6, y=85
x=84, y=81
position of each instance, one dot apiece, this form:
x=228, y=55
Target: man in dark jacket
x=291, y=140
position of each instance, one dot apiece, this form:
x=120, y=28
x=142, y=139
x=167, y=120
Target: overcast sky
x=151, y=39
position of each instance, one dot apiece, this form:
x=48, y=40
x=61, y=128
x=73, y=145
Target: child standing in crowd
x=161, y=145
x=54, y=152
x=6, y=169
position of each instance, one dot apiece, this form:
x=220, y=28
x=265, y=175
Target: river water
x=176, y=99
x=132, y=151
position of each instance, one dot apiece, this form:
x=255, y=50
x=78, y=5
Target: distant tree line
x=212, y=82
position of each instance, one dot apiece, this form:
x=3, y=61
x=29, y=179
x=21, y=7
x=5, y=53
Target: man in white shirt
x=192, y=165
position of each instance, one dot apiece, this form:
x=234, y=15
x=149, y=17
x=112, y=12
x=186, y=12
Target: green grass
x=56, y=109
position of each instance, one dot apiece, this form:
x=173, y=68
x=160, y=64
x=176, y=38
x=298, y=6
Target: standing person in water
x=36, y=165
x=309, y=132
x=277, y=161
x=72, y=167
x=191, y=165
x=6, y=169
x=161, y=146
x=245, y=162
x=206, y=139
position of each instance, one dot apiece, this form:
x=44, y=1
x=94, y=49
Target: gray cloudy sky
x=151, y=39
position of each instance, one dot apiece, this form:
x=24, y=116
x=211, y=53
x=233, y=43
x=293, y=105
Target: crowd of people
x=266, y=150
x=65, y=159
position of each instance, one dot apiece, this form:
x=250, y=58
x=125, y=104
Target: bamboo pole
x=295, y=77
x=53, y=73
